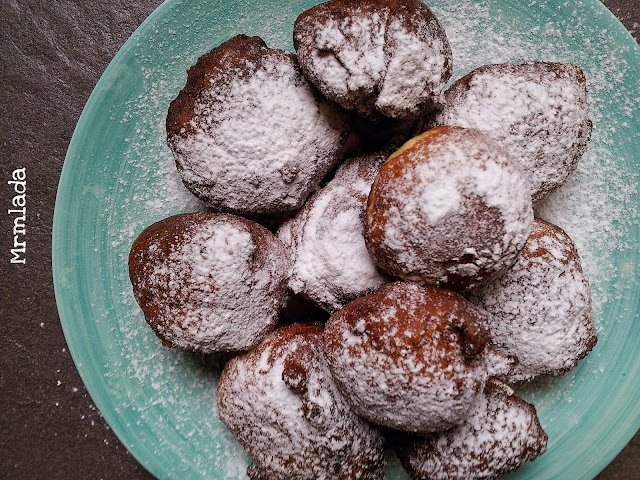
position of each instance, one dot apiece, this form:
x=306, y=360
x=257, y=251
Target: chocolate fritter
x=540, y=310
x=501, y=433
x=249, y=134
x=209, y=282
x=378, y=57
x=448, y=208
x=408, y=357
x=280, y=402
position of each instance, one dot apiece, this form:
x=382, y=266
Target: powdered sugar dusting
x=282, y=404
x=501, y=433
x=261, y=139
x=540, y=311
x=331, y=264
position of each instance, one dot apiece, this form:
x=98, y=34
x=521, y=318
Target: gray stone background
x=52, y=53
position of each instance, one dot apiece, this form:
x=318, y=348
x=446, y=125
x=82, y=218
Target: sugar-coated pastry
x=501, y=433
x=249, y=134
x=209, y=282
x=331, y=264
x=281, y=404
x=537, y=111
x=378, y=57
x=408, y=357
x=448, y=208
x=540, y=310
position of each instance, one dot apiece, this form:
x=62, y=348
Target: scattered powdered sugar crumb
x=149, y=160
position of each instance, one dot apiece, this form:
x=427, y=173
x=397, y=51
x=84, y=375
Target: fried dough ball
x=281, y=404
x=408, y=357
x=540, y=310
x=249, y=134
x=209, y=282
x=537, y=112
x=501, y=433
x=378, y=57
x=331, y=264
x=449, y=208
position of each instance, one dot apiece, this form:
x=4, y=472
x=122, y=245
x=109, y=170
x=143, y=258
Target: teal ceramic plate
x=119, y=177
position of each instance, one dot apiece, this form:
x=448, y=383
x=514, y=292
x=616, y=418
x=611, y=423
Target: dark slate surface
x=52, y=54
